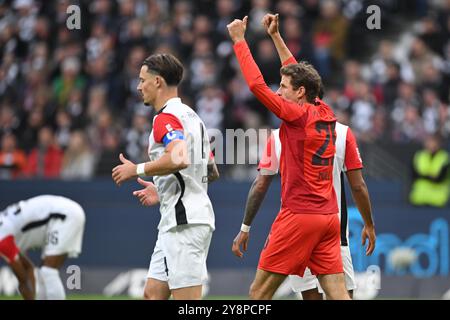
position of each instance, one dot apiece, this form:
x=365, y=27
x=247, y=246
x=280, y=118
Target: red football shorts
x=297, y=241
x=9, y=249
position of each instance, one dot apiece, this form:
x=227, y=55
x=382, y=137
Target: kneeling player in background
x=53, y=223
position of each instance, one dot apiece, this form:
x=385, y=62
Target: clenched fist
x=237, y=28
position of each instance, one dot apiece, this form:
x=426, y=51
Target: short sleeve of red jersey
x=165, y=123
x=352, y=157
x=269, y=162
x=8, y=248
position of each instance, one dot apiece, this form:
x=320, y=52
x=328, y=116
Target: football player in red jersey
x=306, y=231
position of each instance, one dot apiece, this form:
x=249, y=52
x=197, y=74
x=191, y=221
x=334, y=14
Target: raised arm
x=282, y=108
x=271, y=23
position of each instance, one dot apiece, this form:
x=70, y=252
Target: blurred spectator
x=430, y=113
x=133, y=35
x=292, y=8
x=102, y=129
x=125, y=96
x=202, y=68
x=297, y=40
x=209, y=106
x=9, y=122
x=99, y=42
x=225, y=10
x=432, y=78
x=108, y=158
x=63, y=128
x=79, y=160
x=444, y=120
x=406, y=97
x=391, y=83
x=380, y=61
x=136, y=138
x=329, y=36
x=258, y=9
x=431, y=184
x=352, y=76
x=421, y=57
x=410, y=127
x=97, y=103
x=430, y=33
x=336, y=100
x=268, y=62
x=97, y=70
x=12, y=159
x=26, y=12
x=75, y=108
x=36, y=92
x=30, y=128
x=9, y=72
x=70, y=79
x=380, y=131
x=363, y=110
x=45, y=160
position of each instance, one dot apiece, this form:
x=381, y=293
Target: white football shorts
x=179, y=257
x=65, y=236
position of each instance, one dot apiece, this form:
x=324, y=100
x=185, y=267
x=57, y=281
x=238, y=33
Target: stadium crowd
x=68, y=98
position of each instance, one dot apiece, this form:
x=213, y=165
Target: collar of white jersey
x=168, y=102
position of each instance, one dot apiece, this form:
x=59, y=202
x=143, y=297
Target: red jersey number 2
x=317, y=158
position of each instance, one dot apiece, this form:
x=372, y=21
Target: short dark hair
x=303, y=74
x=165, y=65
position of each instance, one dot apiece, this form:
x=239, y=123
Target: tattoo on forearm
x=254, y=201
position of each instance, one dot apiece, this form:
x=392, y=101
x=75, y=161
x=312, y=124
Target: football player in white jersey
x=347, y=159
x=54, y=224
x=181, y=165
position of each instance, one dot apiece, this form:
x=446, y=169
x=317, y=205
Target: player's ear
x=159, y=81
x=301, y=93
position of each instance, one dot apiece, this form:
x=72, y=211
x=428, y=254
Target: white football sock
x=54, y=288
x=40, y=285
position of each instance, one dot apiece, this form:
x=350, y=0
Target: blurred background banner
x=411, y=259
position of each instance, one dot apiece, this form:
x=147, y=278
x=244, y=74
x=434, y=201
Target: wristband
x=140, y=170
x=245, y=228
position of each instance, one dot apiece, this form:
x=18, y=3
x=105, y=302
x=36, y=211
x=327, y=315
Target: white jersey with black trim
x=338, y=177
x=183, y=195
x=34, y=214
